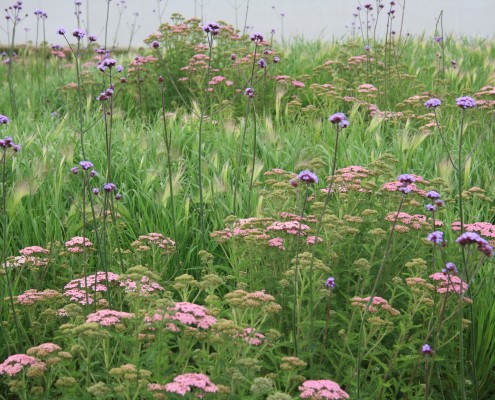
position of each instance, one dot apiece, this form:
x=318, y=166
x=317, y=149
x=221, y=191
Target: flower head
x=330, y=282
x=61, y=30
x=339, y=118
x=262, y=63
x=212, y=27
x=86, y=165
x=465, y=102
x=307, y=177
x=406, y=179
x=79, y=33
x=155, y=44
x=109, y=187
x=426, y=350
x=436, y=237
x=433, y=103
x=4, y=119
x=256, y=37
x=432, y=195
x=249, y=92
x=92, y=38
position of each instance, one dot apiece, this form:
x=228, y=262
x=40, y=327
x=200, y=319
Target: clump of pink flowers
x=252, y=337
x=77, y=244
x=199, y=384
x=375, y=303
x=82, y=289
x=185, y=313
x=321, y=389
x=145, y=242
x=108, y=317
x=16, y=363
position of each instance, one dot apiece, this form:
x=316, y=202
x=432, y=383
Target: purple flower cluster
x=61, y=31
x=106, y=94
x=450, y=269
x=307, y=177
x=435, y=196
x=436, y=237
x=212, y=27
x=433, y=103
x=155, y=44
x=406, y=180
x=109, y=63
x=427, y=350
x=340, y=119
x=109, y=187
x=465, y=102
x=262, y=63
x=256, y=37
x=330, y=282
x=249, y=92
x=7, y=143
x=468, y=238
x=4, y=120
x=86, y=165
x=41, y=14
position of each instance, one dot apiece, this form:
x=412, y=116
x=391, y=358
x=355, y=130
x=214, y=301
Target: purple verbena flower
x=92, y=38
x=118, y=196
x=95, y=191
x=406, y=179
x=436, y=237
x=330, y=282
x=339, y=118
x=61, y=31
x=109, y=187
x=432, y=195
x=4, y=120
x=249, y=92
x=79, y=33
x=307, y=177
x=276, y=60
x=453, y=63
x=212, y=28
x=262, y=63
x=426, y=350
x=465, y=102
x=155, y=44
x=74, y=170
x=430, y=207
x=450, y=268
x=256, y=37
x=86, y=165
x=433, y=103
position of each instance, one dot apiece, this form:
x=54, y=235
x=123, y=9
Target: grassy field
x=194, y=218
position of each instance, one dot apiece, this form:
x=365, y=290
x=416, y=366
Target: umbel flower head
x=256, y=37
x=249, y=92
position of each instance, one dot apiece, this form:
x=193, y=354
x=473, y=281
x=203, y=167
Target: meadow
x=221, y=215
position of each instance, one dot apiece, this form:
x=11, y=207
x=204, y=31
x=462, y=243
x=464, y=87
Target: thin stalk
x=372, y=295
x=167, y=138
x=254, y=159
x=296, y=277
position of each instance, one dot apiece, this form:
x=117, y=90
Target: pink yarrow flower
x=16, y=363
x=321, y=389
x=199, y=384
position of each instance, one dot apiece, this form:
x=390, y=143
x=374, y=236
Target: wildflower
x=86, y=165
x=249, y=92
x=430, y=207
x=367, y=48
x=432, y=195
x=256, y=37
x=450, y=268
x=368, y=7
x=118, y=196
x=436, y=237
x=109, y=187
x=4, y=119
x=330, y=282
x=453, y=63
x=307, y=177
x=95, y=191
x=212, y=27
x=276, y=60
x=155, y=44
x=433, y=103
x=74, y=170
x=15, y=363
x=298, y=84
x=426, y=350
x=92, y=38
x=79, y=33
x=406, y=179
x=262, y=63
x=339, y=118
x=61, y=31
x=438, y=39
x=465, y=102
x=321, y=389
x=188, y=382
x=233, y=57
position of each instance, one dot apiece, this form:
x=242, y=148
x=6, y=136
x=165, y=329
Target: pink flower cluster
x=449, y=283
x=395, y=185
x=277, y=242
x=252, y=337
x=377, y=301
x=43, y=349
x=199, y=384
x=16, y=363
x=82, y=289
x=416, y=221
x=108, y=317
x=349, y=178
x=31, y=296
x=36, y=250
x=321, y=389
x=185, y=313
x=77, y=244
x=143, y=288
x=483, y=228
x=290, y=227
x=157, y=239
